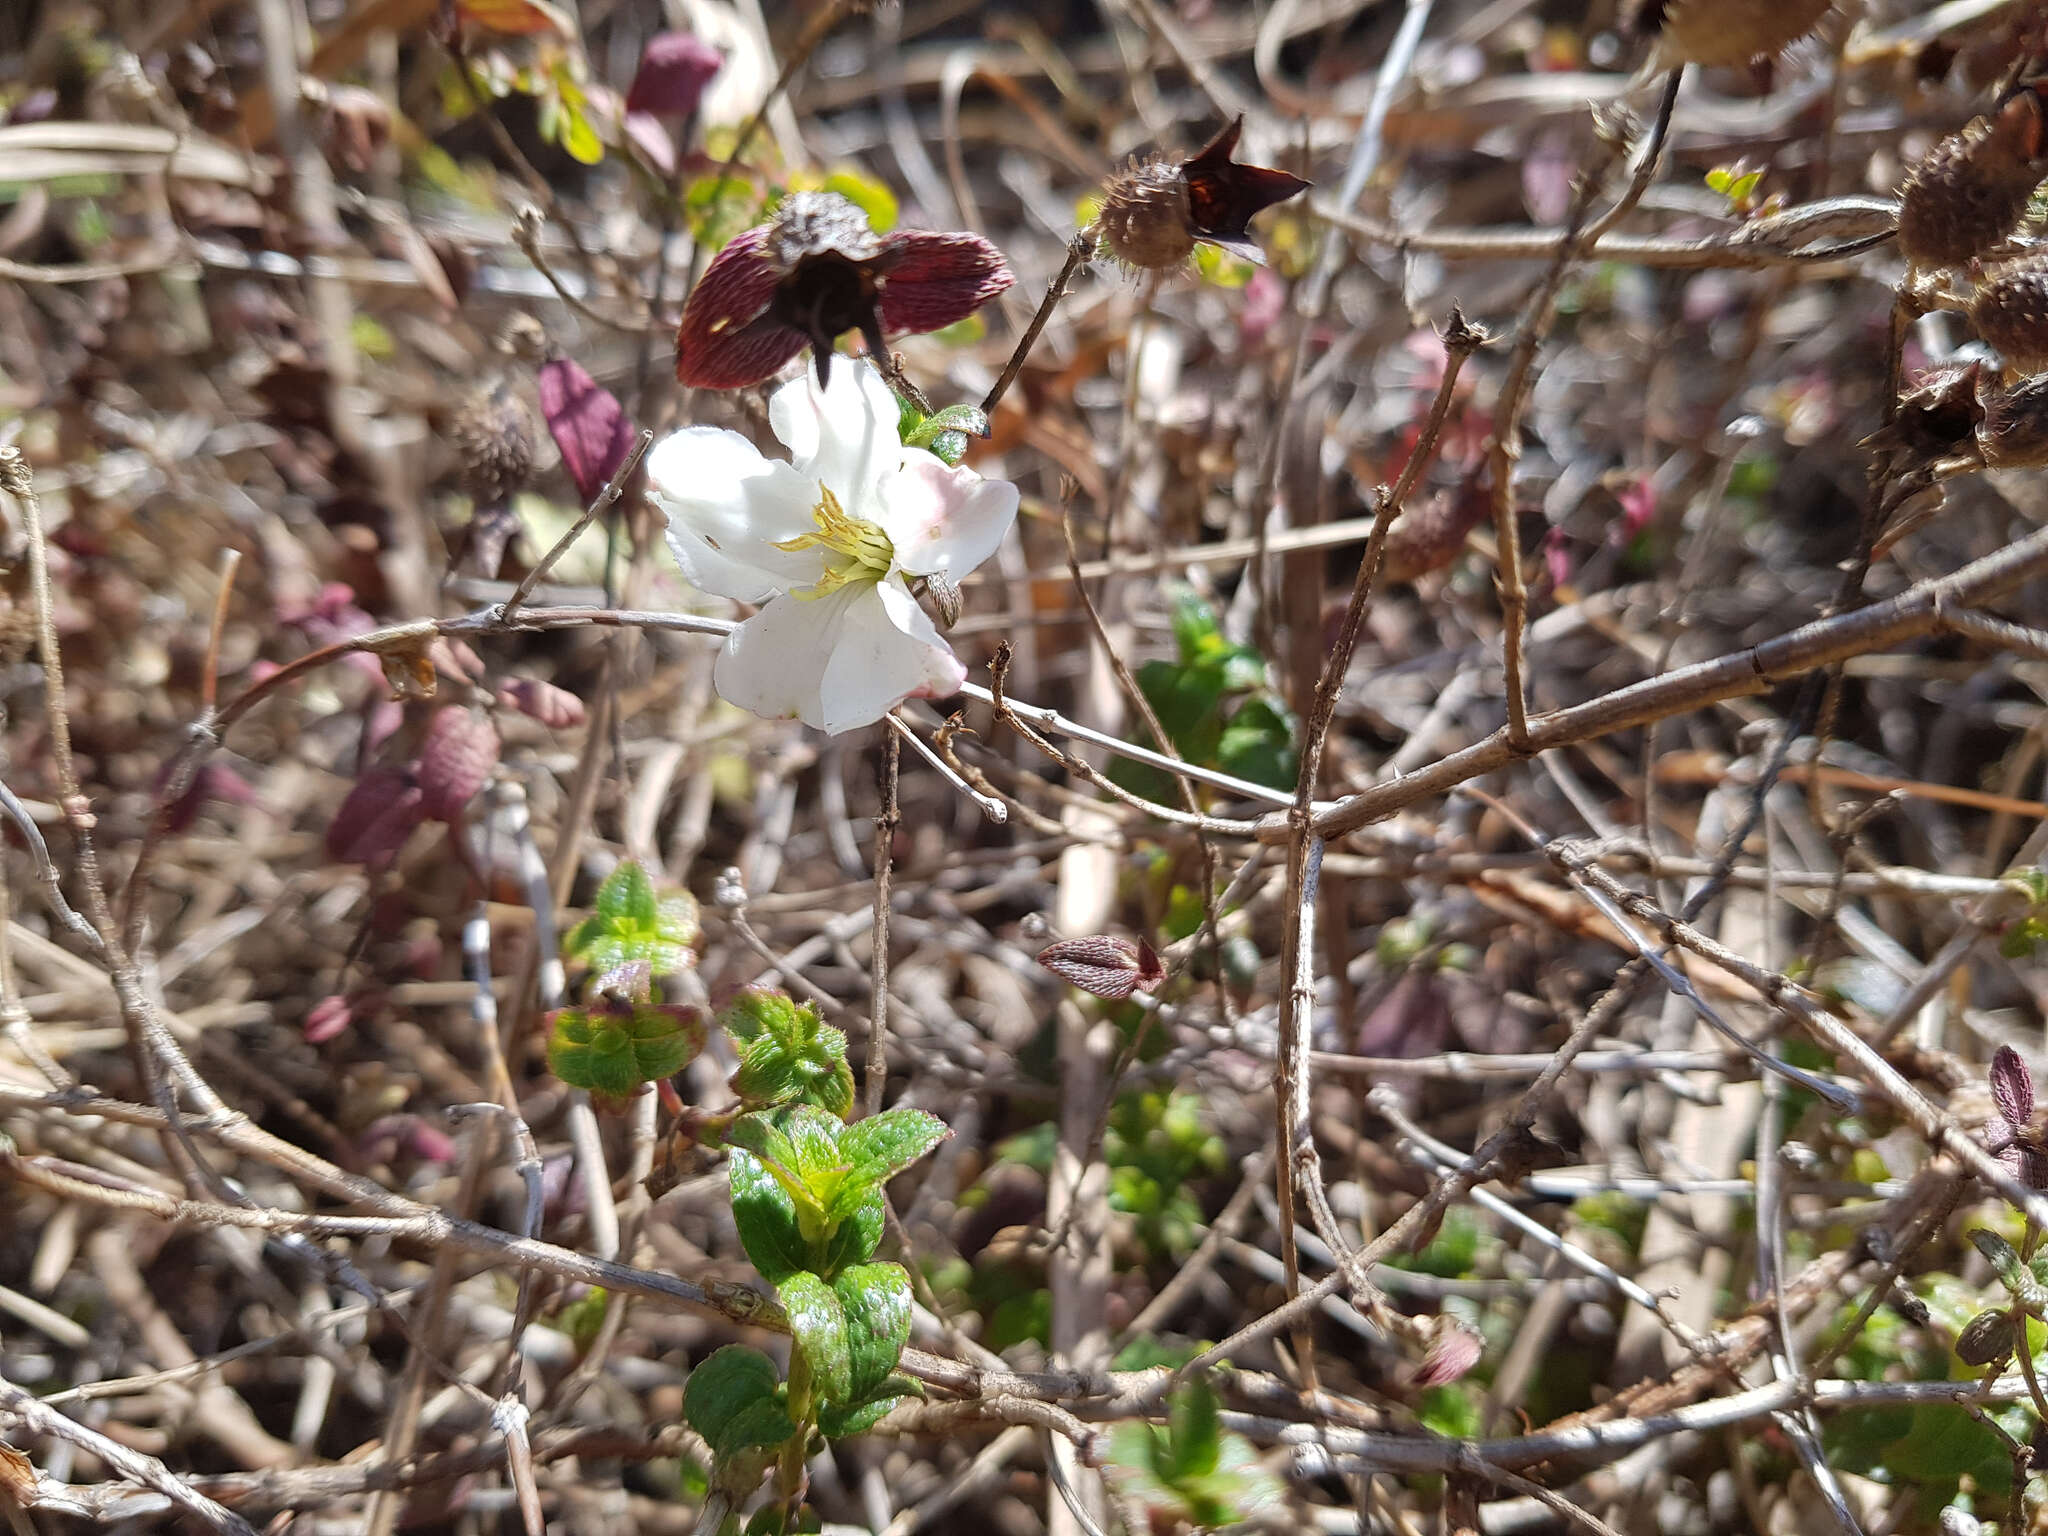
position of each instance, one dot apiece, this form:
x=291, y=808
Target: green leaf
x=837, y=1420
x=876, y=1301
x=583, y=1317
x=818, y=1323
x=1194, y=1432
x=632, y=922
x=612, y=1051
x=1194, y=624
x=734, y=1400
x=882, y=1146
x=2005, y=1263
x=766, y=1218
x=872, y=197
x=857, y=1230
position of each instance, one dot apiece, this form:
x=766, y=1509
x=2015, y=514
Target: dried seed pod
x=1726, y=32
x=2014, y=431
x=493, y=436
x=1144, y=220
x=1155, y=212
x=1429, y=537
x=2010, y=311
x=1970, y=191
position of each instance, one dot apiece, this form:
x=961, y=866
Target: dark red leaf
x=587, y=422
x=455, y=760
x=556, y=708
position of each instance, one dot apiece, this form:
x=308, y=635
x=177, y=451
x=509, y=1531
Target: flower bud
x=1987, y=1338
x=1429, y=537
x=672, y=75
x=1969, y=192
x=2010, y=311
x=1726, y=32
x=1103, y=966
x=2014, y=432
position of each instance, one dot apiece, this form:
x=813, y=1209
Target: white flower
x=829, y=543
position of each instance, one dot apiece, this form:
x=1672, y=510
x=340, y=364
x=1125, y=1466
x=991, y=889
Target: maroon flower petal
x=2012, y=1087
x=672, y=75
x=938, y=279
x=587, y=422
x=718, y=345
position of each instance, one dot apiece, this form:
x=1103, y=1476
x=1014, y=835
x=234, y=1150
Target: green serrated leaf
x=949, y=448
x=882, y=1146
x=631, y=922
x=766, y=1218
x=876, y=1301
x=612, y=1051
x=818, y=1324
x=733, y=1399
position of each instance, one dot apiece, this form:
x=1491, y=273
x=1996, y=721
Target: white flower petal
x=843, y=436
x=837, y=662
x=886, y=651
x=726, y=507
x=775, y=662
x=944, y=520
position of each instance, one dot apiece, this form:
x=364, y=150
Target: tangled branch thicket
x=1467, y=958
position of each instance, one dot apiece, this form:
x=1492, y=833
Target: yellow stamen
x=856, y=550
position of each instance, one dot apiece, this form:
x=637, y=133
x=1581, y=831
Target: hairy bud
x=493, y=437
x=1144, y=221
x=1987, y=1338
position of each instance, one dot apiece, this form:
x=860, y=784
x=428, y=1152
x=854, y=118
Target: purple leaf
x=587, y=422
x=2012, y=1087
x=1452, y=1353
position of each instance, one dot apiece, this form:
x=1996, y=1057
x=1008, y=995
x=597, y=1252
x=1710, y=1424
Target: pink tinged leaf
x=327, y=1018
x=1104, y=966
x=2012, y=1087
x=555, y=708
x=937, y=279
x=455, y=760
x=587, y=422
x=376, y=818
x=213, y=781
x=672, y=75
x=1452, y=1353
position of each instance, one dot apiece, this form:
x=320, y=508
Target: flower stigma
x=856, y=550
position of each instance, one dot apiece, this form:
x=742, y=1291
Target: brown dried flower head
x=1969, y=192
x=493, y=436
x=2010, y=311
x=2014, y=431
x=815, y=271
x=1156, y=212
x=1725, y=32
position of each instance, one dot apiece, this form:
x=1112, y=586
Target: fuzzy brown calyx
x=1144, y=223
x=1157, y=211
x=493, y=437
